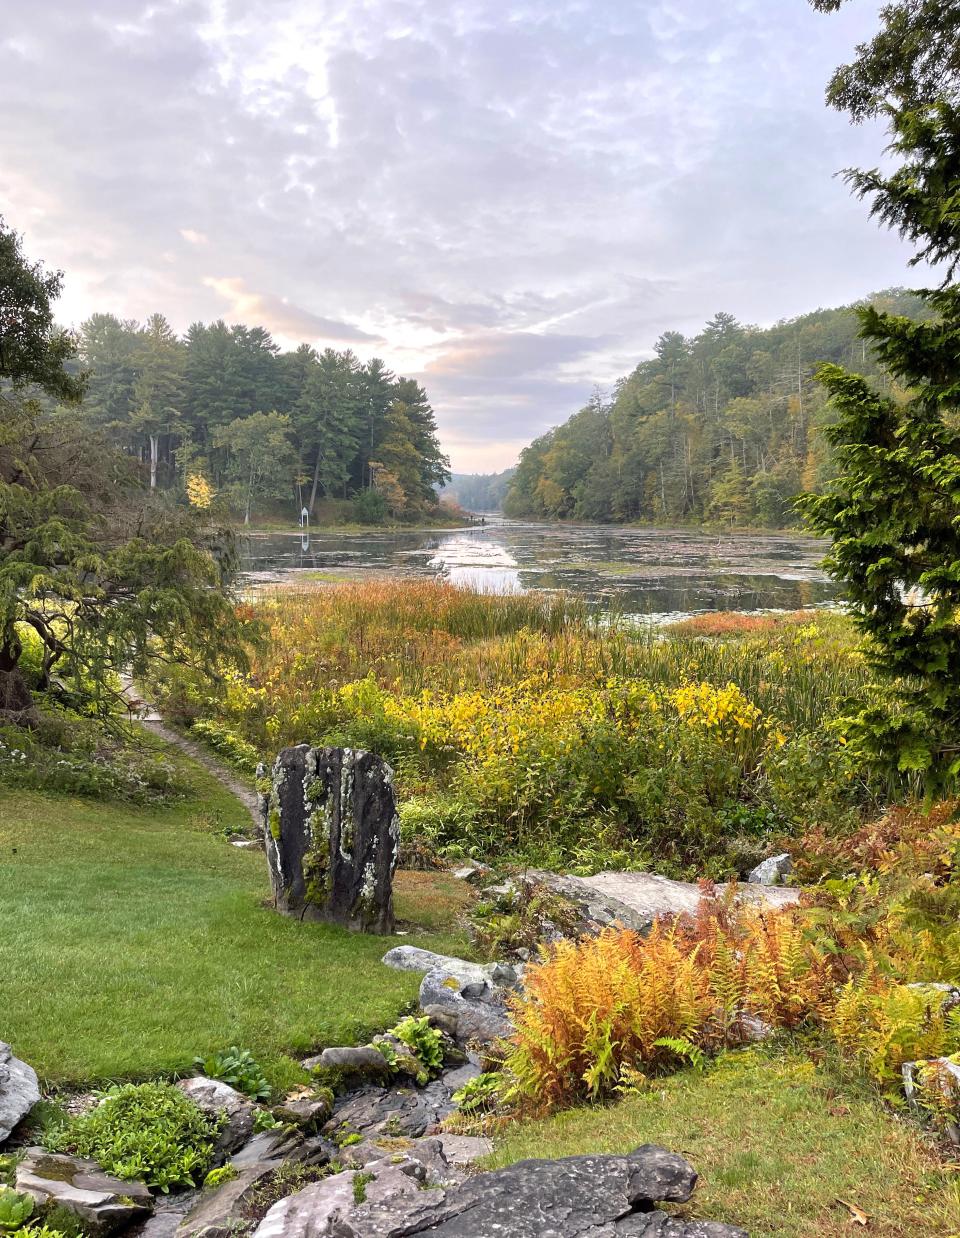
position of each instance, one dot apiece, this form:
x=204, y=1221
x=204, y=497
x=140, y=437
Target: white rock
x=771, y=872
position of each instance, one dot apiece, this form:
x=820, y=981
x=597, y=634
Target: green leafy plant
x=480, y=1094
x=238, y=1068
x=263, y=1120
x=147, y=1131
x=360, y=1186
x=423, y=1041
x=15, y=1209
x=217, y=1177
x=684, y=1049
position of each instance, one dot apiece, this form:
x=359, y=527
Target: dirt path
x=146, y=714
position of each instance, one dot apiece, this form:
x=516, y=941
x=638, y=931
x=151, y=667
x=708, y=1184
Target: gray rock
x=308, y=1115
x=398, y=1111
x=218, y=1212
x=214, y=1097
x=472, y=872
x=772, y=871
x=332, y=837
x=412, y=958
x=19, y=1090
x=312, y=1212
x=465, y=1149
x=477, y=1003
x=578, y=1197
x=104, y=1204
x=361, y=1061
x=282, y=1145
x=649, y=896
x=442, y=1018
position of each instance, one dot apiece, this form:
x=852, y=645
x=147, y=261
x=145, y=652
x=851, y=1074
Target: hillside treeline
x=478, y=492
x=222, y=411
x=723, y=426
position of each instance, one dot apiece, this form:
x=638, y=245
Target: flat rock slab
x=103, y=1203
x=19, y=1090
x=649, y=896
x=577, y=1197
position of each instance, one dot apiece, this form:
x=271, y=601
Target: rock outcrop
x=577, y=1197
x=19, y=1090
x=104, y=1204
x=467, y=1000
x=215, y=1097
x=332, y=837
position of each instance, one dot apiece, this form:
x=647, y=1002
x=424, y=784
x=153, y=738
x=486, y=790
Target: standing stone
x=332, y=837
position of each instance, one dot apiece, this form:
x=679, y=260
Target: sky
x=509, y=200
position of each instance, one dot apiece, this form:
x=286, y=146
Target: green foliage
x=263, y=1120
x=34, y=352
x=425, y=1041
x=146, y=1131
x=259, y=426
x=220, y=1176
x=227, y=744
x=909, y=61
x=15, y=1209
x=724, y=426
x=685, y=1050
x=238, y=1068
x=480, y=1094
x=521, y=919
x=40, y=1231
x=360, y=1181
x=67, y=754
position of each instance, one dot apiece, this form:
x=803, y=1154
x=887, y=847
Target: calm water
x=638, y=571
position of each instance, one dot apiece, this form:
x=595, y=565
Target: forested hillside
x=723, y=426
x=479, y=492
x=223, y=411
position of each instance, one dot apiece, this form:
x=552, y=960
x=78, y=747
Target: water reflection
x=651, y=572
x=476, y=563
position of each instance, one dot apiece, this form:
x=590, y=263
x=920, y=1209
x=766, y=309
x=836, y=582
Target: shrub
x=145, y=1131
x=238, y=1068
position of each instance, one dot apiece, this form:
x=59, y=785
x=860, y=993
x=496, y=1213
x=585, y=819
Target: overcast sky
x=509, y=199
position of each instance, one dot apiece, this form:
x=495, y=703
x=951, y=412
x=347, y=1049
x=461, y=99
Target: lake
x=645, y=571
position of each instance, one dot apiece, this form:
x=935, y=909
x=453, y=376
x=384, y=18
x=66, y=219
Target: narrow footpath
x=146, y=714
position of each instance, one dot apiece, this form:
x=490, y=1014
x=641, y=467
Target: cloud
x=289, y=322
x=511, y=202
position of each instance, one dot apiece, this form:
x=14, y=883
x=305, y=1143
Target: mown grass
x=133, y=939
x=776, y=1146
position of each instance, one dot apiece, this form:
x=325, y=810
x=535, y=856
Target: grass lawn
x=133, y=939
x=776, y=1147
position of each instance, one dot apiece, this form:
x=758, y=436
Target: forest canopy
x=724, y=426
x=223, y=411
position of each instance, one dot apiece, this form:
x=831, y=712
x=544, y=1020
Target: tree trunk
x=154, y=454
x=16, y=701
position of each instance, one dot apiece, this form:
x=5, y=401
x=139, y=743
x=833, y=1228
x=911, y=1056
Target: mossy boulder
x=332, y=837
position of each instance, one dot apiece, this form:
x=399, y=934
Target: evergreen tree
x=893, y=510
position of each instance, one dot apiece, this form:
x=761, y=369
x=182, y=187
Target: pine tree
x=893, y=510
